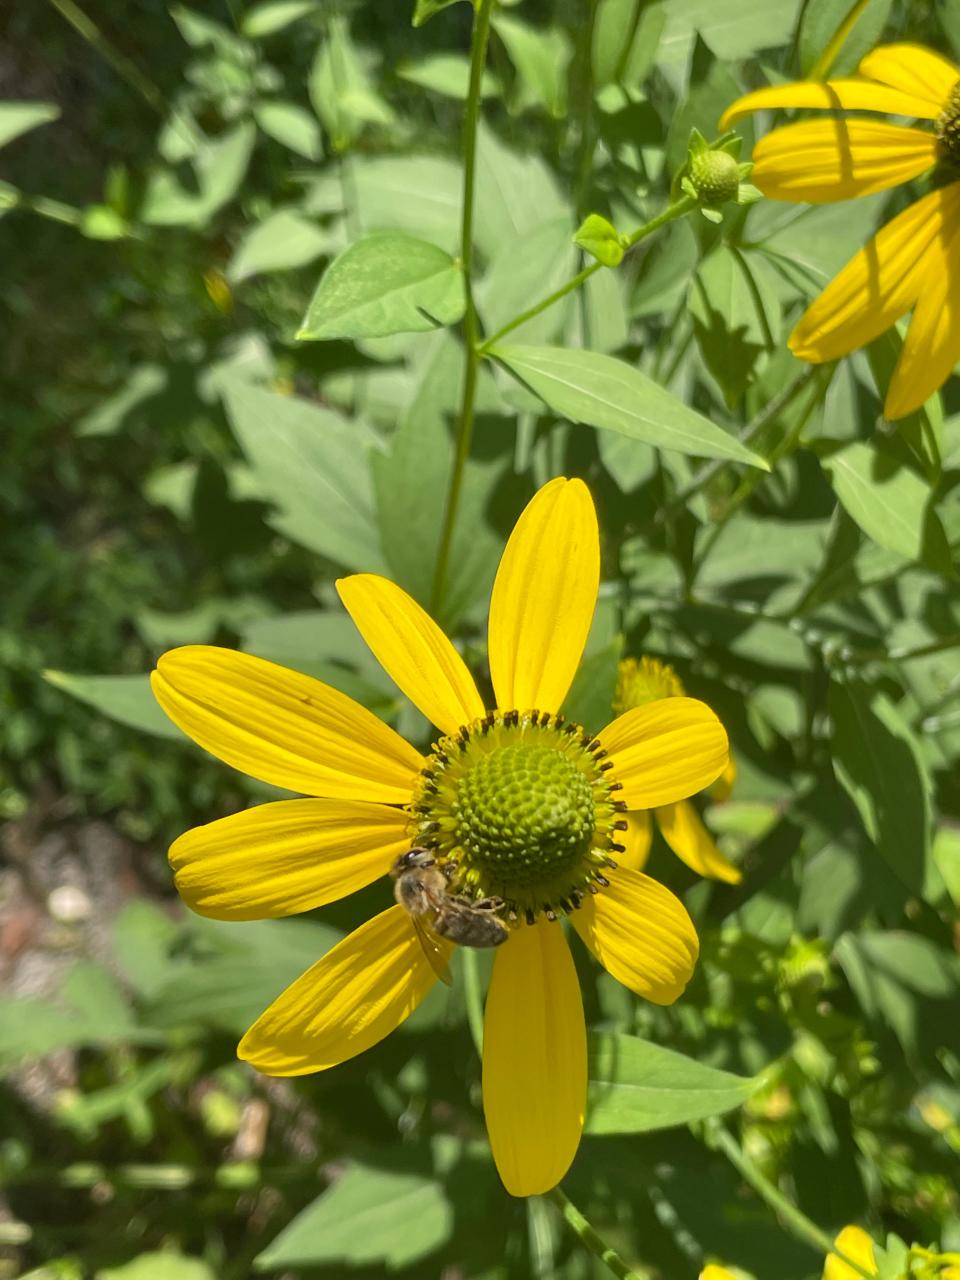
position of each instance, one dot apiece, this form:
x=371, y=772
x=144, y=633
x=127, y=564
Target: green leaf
x=516, y=195
x=598, y=236
x=612, y=62
x=368, y=1216
x=159, y=1266
x=637, y=1086
x=527, y=267
x=283, y=240
x=821, y=18
x=20, y=117
x=144, y=382
x=386, y=283
x=274, y=15
x=425, y=9
x=446, y=73
x=946, y=855
x=732, y=28
x=888, y=500
x=585, y=386
x=342, y=93
x=291, y=126
x=127, y=699
x=541, y=59
x=879, y=763
x=219, y=166
x=736, y=314
x=315, y=467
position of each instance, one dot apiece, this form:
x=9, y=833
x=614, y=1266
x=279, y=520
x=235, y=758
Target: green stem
x=473, y=995
x=590, y=1238
x=824, y=64
x=471, y=329
x=124, y=68
x=55, y=210
x=798, y=1222
x=676, y=210
x=859, y=656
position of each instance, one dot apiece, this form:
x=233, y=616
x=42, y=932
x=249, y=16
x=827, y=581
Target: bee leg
x=450, y=868
x=489, y=904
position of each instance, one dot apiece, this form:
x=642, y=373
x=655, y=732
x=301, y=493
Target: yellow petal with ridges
x=544, y=597
x=534, y=1060
x=665, y=751
x=283, y=727
x=693, y=844
x=353, y=997
x=412, y=650
x=289, y=856
x=932, y=345
x=914, y=70
x=636, y=840
x=856, y=1245
x=849, y=94
x=876, y=287
x=641, y=934
x=822, y=161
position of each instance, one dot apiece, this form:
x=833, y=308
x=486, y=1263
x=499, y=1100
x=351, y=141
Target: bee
x=422, y=889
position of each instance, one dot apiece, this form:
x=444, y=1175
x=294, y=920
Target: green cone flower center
x=948, y=127
x=520, y=807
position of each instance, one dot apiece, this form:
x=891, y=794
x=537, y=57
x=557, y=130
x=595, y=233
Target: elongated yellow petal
x=641, y=934
x=876, y=287
x=914, y=70
x=932, y=345
x=283, y=727
x=636, y=840
x=665, y=751
x=853, y=95
x=413, y=650
x=544, y=597
x=359, y=992
x=855, y=1244
x=289, y=856
x=693, y=844
x=822, y=161
x=534, y=1060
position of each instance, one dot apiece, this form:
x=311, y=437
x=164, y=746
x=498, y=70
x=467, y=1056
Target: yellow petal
x=636, y=840
x=854, y=95
x=723, y=787
x=914, y=70
x=283, y=727
x=821, y=161
x=712, y=1272
x=289, y=856
x=693, y=844
x=876, y=287
x=544, y=597
x=413, y=650
x=665, y=751
x=855, y=1244
x=534, y=1060
x=641, y=934
x=932, y=345
x=359, y=992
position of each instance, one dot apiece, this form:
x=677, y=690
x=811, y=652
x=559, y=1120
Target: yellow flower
x=855, y=1244
x=713, y=1272
x=641, y=684
x=515, y=803
x=914, y=261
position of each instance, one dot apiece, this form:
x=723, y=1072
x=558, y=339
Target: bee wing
x=432, y=949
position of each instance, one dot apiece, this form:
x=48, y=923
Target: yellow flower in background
x=914, y=261
x=713, y=1272
x=855, y=1244
x=641, y=684
x=515, y=803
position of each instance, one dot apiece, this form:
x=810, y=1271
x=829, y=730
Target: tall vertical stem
x=471, y=328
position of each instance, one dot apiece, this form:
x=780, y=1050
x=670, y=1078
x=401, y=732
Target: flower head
x=914, y=261
x=514, y=804
x=640, y=684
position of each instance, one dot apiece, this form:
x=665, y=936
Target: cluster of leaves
x=204, y=436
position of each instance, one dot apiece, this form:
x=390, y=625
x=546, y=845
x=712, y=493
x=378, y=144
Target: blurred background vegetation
x=162, y=234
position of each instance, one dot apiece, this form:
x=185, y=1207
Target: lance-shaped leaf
x=600, y=391
x=636, y=1086
x=386, y=283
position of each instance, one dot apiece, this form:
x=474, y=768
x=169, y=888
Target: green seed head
x=715, y=176
x=519, y=807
